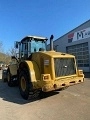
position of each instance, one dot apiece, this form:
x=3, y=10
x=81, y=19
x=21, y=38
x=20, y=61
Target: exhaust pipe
x=51, y=42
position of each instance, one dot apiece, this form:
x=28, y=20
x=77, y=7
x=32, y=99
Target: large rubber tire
x=25, y=86
x=9, y=79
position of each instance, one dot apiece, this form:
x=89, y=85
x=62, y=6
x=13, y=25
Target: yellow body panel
x=33, y=70
x=61, y=83
x=34, y=74
x=42, y=65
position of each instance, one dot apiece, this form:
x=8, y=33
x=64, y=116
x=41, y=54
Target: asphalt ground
x=72, y=103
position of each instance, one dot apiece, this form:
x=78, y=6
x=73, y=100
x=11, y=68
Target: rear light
x=81, y=72
x=45, y=77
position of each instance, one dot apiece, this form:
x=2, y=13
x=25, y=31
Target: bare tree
x=12, y=51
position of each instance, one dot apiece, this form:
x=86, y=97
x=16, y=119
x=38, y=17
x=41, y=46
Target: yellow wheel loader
x=36, y=69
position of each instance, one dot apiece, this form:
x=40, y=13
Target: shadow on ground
x=11, y=94
x=87, y=74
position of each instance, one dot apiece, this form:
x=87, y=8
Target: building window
x=81, y=53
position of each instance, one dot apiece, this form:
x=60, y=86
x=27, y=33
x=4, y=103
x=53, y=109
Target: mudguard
x=33, y=69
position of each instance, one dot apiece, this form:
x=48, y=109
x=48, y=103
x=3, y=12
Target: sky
x=19, y=18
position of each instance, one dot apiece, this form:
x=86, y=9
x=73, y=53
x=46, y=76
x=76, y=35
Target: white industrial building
x=76, y=42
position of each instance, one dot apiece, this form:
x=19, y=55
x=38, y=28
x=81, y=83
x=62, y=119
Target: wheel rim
x=23, y=83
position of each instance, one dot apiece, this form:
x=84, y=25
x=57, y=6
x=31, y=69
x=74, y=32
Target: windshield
x=36, y=45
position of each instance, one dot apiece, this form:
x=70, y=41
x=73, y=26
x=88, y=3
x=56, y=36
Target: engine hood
x=55, y=54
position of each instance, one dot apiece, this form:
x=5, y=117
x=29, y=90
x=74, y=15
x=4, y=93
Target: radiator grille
x=64, y=66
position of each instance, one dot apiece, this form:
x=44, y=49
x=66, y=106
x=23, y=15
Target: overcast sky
x=19, y=18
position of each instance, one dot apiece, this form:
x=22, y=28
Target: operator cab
x=29, y=45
